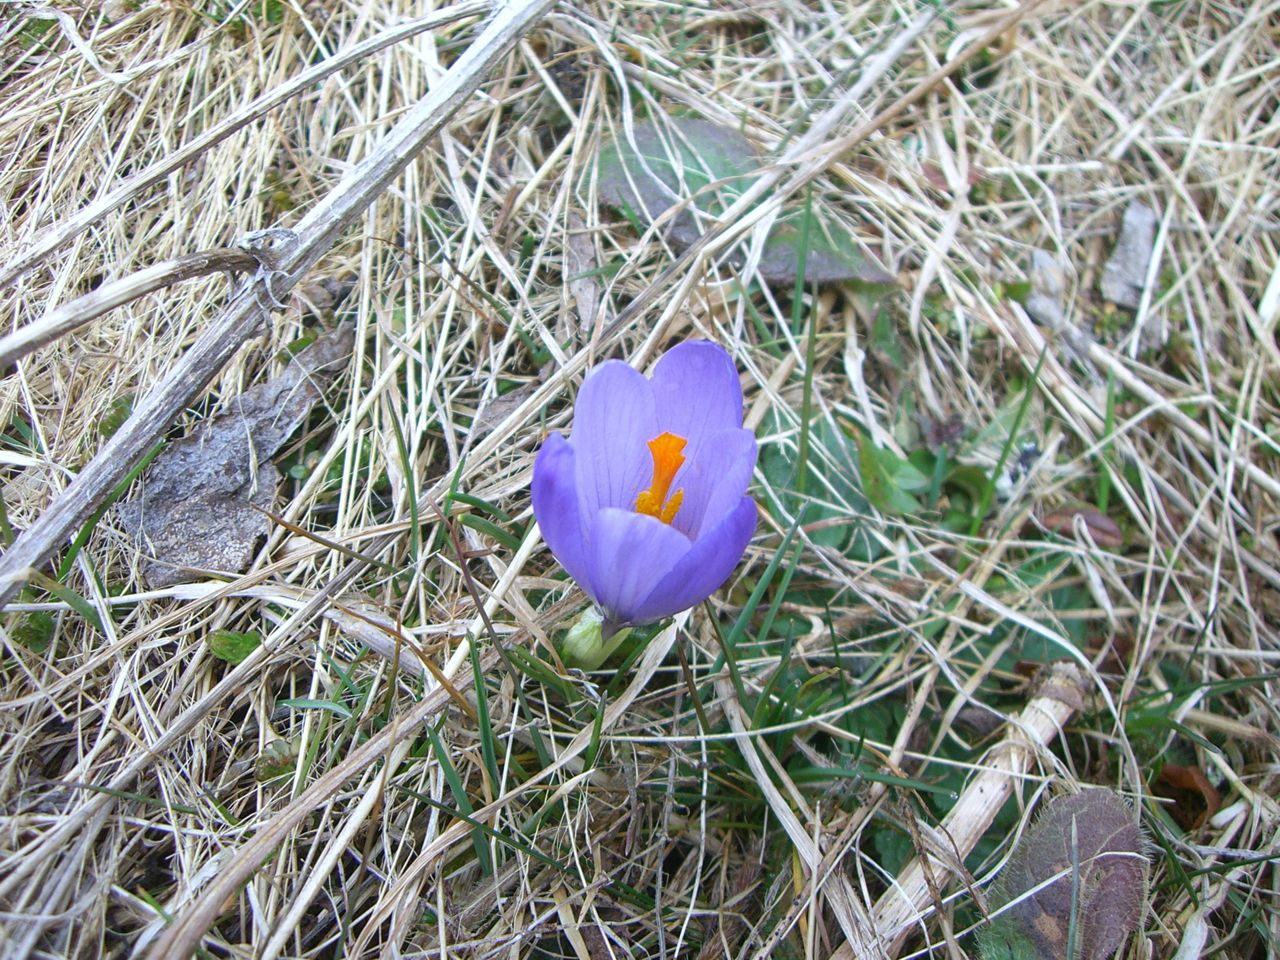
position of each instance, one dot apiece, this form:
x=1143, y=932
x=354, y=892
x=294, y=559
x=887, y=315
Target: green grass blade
x=797, y=308
x=408, y=472
x=488, y=749
x=461, y=799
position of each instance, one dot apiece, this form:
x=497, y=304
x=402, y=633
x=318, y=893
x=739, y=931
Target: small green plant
x=233, y=648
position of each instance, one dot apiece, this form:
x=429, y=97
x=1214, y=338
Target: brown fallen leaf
x=1117, y=653
x=493, y=412
x=1194, y=798
x=322, y=296
x=1104, y=531
x=195, y=508
x=980, y=720
x=936, y=177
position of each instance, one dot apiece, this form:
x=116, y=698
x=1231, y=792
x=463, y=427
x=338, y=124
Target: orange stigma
x=667, y=459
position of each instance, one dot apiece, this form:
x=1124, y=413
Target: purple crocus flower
x=645, y=504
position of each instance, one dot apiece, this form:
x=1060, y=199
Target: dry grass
x=671, y=809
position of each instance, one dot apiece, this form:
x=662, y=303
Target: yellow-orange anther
x=668, y=457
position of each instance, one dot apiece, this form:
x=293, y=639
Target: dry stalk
x=68, y=316
x=242, y=319
x=183, y=937
x=67, y=228
x=1060, y=693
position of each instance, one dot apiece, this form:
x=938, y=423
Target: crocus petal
x=613, y=422
x=715, y=481
x=630, y=553
x=696, y=390
x=697, y=394
x=555, y=505
x=701, y=571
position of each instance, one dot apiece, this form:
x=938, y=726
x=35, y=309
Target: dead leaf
x=1117, y=654
x=936, y=177
x=697, y=161
x=942, y=433
x=493, y=412
x=580, y=268
x=322, y=297
x=1125, y=274
x=980, y=720
x=831, y=257
x=1104, y=531
x=700, y=169
x=1048, y=276
x=195, y=508
x=1046, y=303
x=1194, y=798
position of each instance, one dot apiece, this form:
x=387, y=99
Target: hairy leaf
x=836, y=509
x=1075, y=886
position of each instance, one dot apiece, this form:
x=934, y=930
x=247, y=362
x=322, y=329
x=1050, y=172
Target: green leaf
x=492, y=509
x=115, y=416
x=893, y=849
x=583, y=645
x=881, y=470
x=491, y=530
x=484, y=725
x=34, y=631
x=36, y=33
x=885, y=340
x=968, y=479
x=806, y=774
x=704, y=168
x=306, y=703
x=1018, y=291
x=68, y=596
x=530, y=666
x=295, y=347
x=904, y=473
x=233, y=647
x=461, y=799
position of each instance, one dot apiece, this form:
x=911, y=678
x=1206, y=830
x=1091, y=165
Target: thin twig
x=69, y=316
